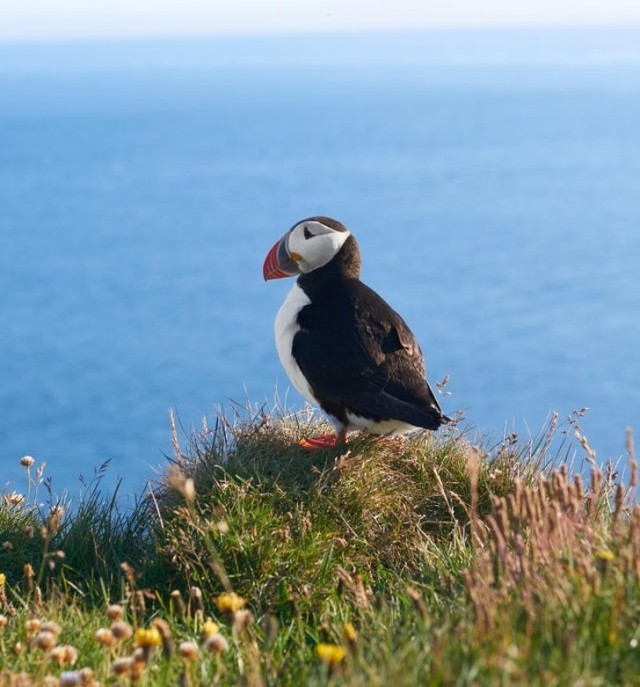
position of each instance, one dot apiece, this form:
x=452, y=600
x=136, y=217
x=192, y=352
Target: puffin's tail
x=383, y=406
x=434, y=418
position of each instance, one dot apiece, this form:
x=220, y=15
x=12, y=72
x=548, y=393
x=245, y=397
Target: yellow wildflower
x=330, y=653
x=605, y=555
x=230, y=602
x=147, y=637
x=350, y=633
x=3, y=579
x=209, y=628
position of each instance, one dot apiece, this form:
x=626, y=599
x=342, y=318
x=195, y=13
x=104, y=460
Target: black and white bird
x=342, y=346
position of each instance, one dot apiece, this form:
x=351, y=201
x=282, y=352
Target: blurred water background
x=492, y=179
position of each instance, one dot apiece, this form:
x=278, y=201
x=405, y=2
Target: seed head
x=176, y=598
x=122, y=666
x=140, y=655
x=121, y=630
x=86, y=678
x=65, y=655
x=216, y=643
x=54, y=519
x=52, y=627
x=14, y=498
x=188, y=650
x=195, y=595
x=182, y=484
x=105, y=637
x=27, y=461
x=242, y=619
x=32, y=625
x=45, y=641
x=115, y=612
x=139, y=662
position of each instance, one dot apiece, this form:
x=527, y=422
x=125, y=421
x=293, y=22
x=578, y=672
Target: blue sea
x=492, y=179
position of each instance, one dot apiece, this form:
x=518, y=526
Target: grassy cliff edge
x=424, y=562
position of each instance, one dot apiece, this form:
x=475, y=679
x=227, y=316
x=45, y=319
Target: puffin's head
x=309, y=244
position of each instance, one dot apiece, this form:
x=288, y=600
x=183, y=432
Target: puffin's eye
x=308, y=234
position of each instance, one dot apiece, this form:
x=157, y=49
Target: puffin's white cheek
x=304, y=266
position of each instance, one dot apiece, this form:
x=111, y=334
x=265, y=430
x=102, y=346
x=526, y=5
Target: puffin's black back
x=356, y=352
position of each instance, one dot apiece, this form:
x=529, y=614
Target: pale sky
x=83, y=19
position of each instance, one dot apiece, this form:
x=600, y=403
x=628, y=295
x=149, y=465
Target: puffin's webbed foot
x=323, y=441
x=318, y=443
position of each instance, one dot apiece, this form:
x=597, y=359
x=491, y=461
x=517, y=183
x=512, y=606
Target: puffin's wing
x=406, y=394
x=358, y=353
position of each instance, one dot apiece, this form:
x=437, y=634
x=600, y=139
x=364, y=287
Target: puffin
x=342, y=346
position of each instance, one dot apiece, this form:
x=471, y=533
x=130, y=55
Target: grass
x=432, y=562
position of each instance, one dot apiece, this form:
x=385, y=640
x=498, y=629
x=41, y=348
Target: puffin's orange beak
x=278, y=263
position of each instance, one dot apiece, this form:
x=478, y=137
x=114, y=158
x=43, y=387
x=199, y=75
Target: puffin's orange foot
x=318, y=443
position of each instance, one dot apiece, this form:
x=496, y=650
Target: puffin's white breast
x=286, y=327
